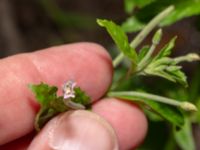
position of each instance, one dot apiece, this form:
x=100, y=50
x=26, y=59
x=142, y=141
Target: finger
x=75, y=130
x=19, y=144
x=127, y=119
x=84, y=130
x=87, y=64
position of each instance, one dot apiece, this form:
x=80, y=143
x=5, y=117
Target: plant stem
x=146, y=96
x=147, y=29
x=145, y=60
x=118, y=59
x=151, y=25
x=189, y=57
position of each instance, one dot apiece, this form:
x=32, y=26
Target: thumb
x=75, y=130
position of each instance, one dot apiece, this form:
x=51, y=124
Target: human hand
x=114, y=125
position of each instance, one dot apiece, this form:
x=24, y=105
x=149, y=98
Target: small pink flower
x=68, y=89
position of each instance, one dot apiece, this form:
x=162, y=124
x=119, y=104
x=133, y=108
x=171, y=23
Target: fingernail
x=81, y=130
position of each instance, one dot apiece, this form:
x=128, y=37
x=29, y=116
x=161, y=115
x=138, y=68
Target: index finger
x=86, y=63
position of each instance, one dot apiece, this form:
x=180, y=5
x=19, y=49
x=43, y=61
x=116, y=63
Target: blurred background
x=31, y=25
x=36, y=24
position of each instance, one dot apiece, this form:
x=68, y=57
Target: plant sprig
x=148, y=64
x=51, y=104
x=146, y=30
x=162, y=65
x=143, y=63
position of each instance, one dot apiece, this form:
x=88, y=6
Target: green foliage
x=43, y=116
x=81, y=97
x=163, y=66
x=183, y=9
x=131, y=4
x=166, y=68
x=120, y=38
x=44, y=93
x=196, y=115
x=147, y=58
x=194, y=95
x=143, y=52
x=157, y=37
x=194, y=90
x=184, y=136
x=166, y=50
x=160, y=64
x=146, y=64
x=149, y=8
x=132, y=24
x=51, y=104
x=171, y=114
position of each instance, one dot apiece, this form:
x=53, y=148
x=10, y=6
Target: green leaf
x=169, y=72
x=170, y=113
x=196, y=116
x=43, y=116
x=195, y=85
x=150, y=8
x=131, y=4
x=166, y=50
x=184, y=137
x=163, y=66
x=143, y=52
x=132, y=24
x=178, y=75
x=155, y=117
x=81, y=97
x=182, y=10
x=44, y=93
x=160, y=73
x=120, y=38
x=128, y=6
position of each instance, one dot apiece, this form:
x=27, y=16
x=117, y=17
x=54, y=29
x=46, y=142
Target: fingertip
x=128, y=121
x=76, y=130
x=88, y=64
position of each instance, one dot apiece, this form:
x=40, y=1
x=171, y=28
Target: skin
x=86, y=63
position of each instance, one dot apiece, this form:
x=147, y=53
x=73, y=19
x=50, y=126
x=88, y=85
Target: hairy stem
x=147, y=29
x=145, y=60
x=146, y=96
x=189, y=57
